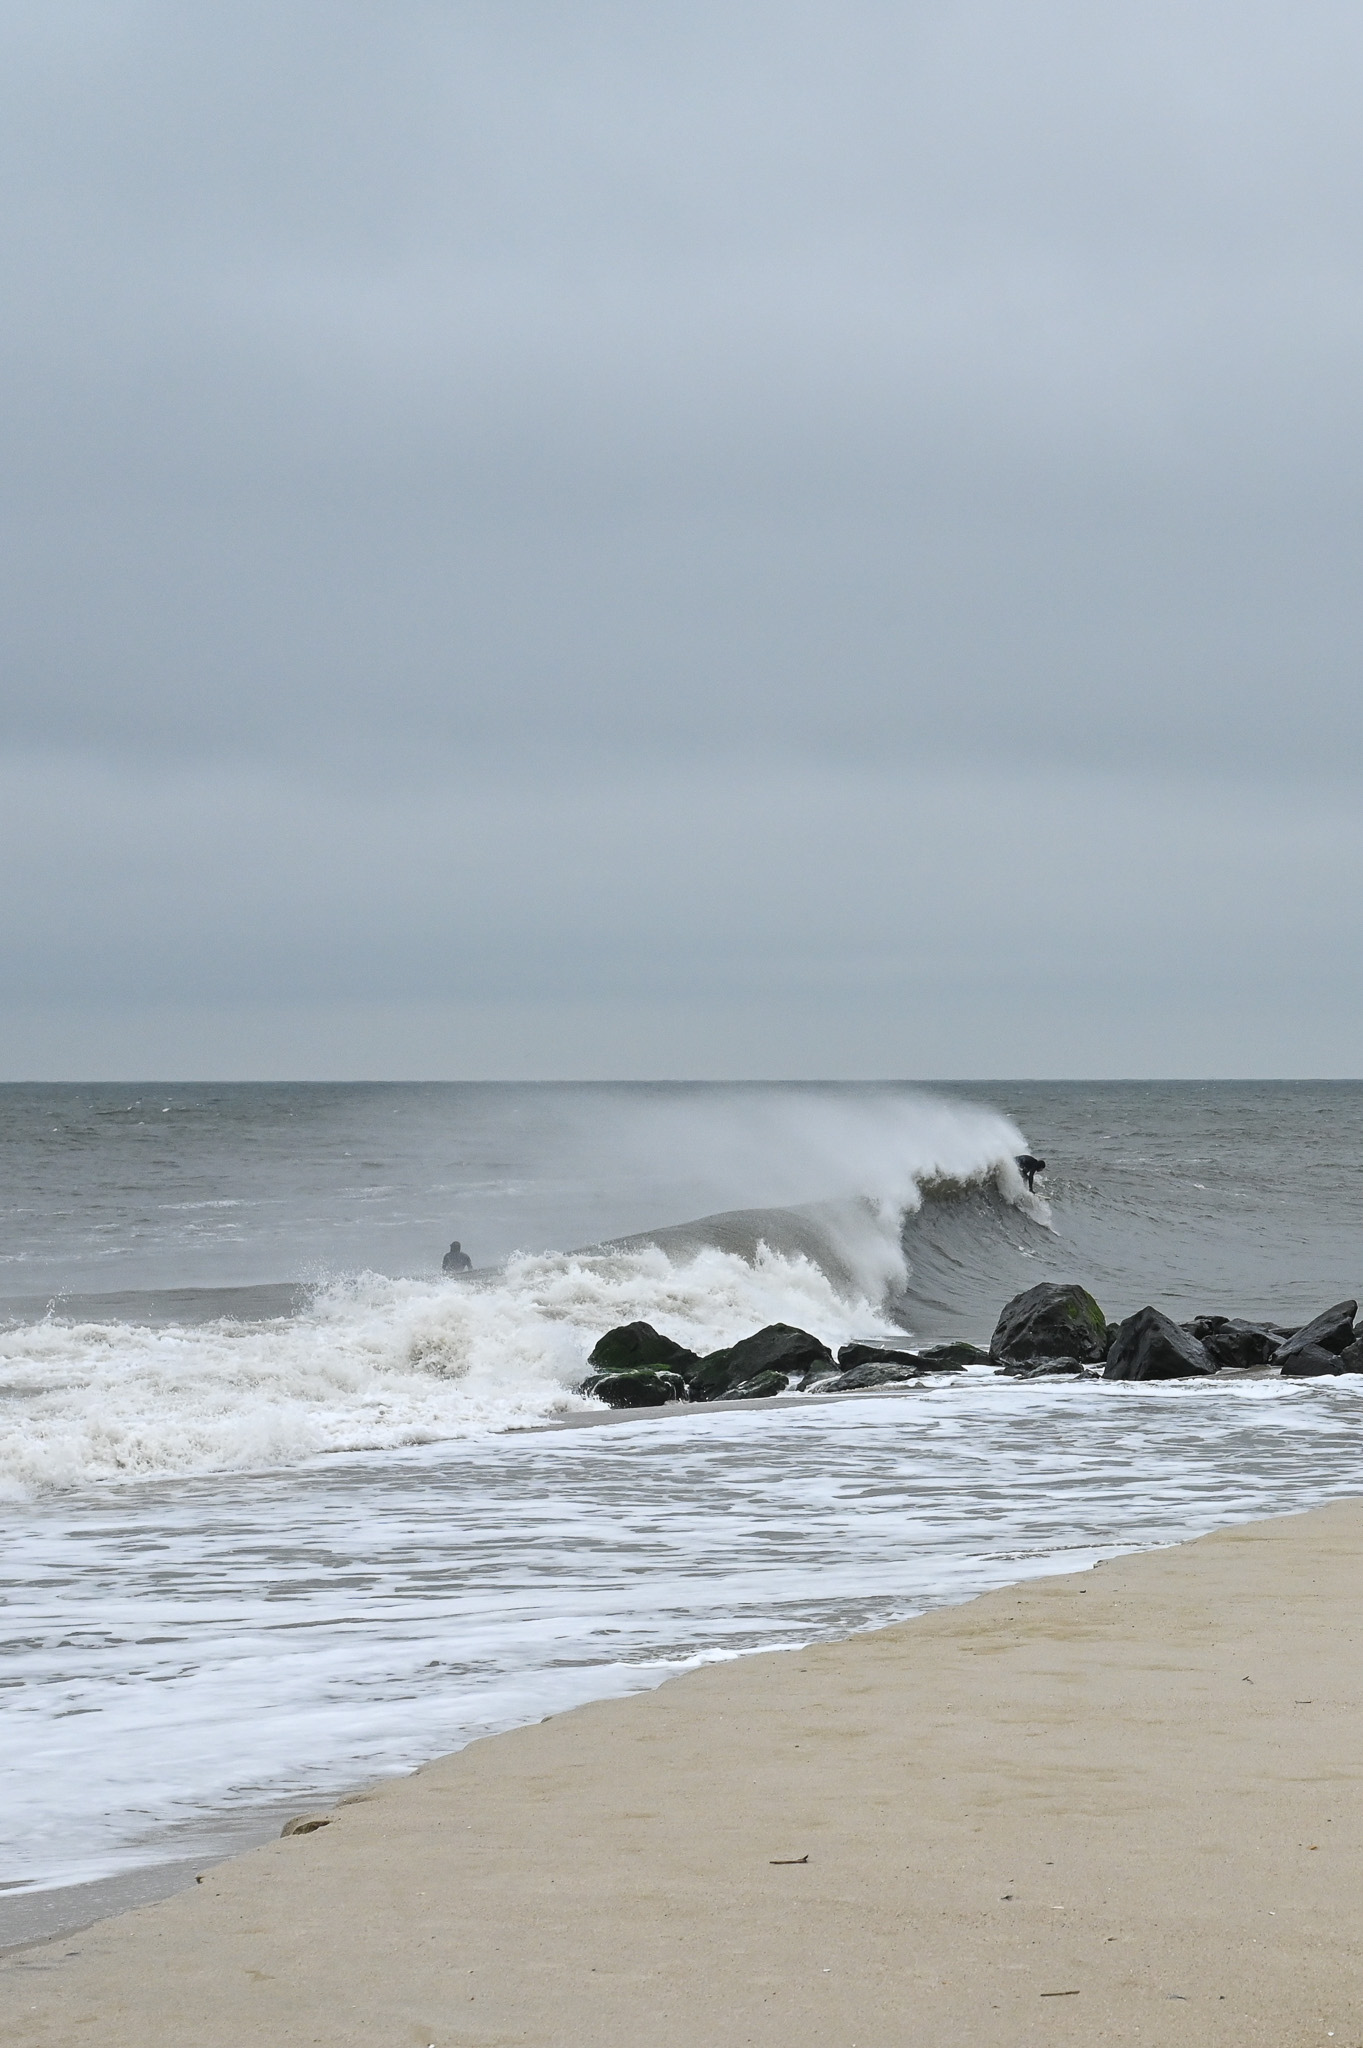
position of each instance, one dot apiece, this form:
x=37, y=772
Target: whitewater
x=286, y=1510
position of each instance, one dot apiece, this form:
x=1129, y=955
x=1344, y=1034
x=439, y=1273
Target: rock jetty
x=1056, y=1329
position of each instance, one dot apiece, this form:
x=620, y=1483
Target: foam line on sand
x=1122, y=1806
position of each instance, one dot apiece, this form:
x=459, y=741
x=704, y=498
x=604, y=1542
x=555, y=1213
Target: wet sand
x=1121, y=1806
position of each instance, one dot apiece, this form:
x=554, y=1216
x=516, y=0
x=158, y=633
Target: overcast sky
x=694, y=539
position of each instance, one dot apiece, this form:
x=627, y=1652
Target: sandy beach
x=1124, y=1805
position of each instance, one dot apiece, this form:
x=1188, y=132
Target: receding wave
x=370, y=1362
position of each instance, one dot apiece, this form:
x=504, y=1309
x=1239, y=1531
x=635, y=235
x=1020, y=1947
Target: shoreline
x=29, y=1918
x=1141, y=1779
x=51, y=1912
x=36, y=1918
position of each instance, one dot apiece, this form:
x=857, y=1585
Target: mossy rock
x=778, y=1348
x=632, y=1346
x=1053, y=1320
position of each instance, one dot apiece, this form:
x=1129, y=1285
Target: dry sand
x=1124, y=1806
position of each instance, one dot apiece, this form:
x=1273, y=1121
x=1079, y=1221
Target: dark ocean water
x=274, y=1522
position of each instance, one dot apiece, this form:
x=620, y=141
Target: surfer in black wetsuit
x=456, y=1261
x=1029, y=1168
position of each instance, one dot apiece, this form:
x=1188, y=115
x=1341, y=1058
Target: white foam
x=180, y=1652
x=373, y=1364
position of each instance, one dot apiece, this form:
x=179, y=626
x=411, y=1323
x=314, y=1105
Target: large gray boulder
x=1150, y=1346
x=778, y=1348
x=1050, y=1321
x=1333, y=1330
x=632, y=1346
x=1314, y=1362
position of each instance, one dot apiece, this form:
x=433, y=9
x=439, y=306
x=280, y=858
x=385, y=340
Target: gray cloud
x=643, y=514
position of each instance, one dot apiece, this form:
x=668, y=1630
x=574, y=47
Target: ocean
x=287, y=1510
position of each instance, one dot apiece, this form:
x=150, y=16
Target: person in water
x=1029, y=1168
x=456, y=1261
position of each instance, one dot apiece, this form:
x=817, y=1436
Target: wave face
x=203, y=1382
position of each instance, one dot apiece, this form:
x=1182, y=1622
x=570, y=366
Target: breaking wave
x=371, y=1362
